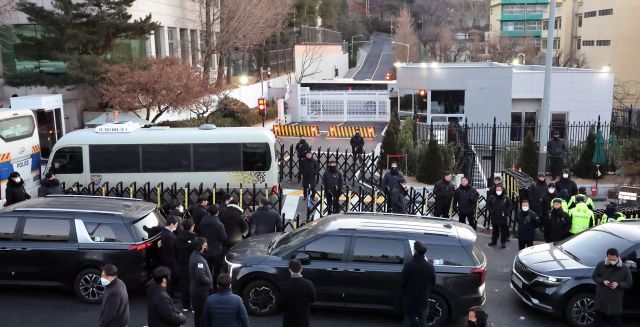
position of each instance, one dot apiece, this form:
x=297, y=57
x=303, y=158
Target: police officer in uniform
x=611, y=214
x=582, y=217
x=582, y=192
x=200, y=279
x=332, y=182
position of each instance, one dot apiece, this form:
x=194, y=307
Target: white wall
x=321, y=60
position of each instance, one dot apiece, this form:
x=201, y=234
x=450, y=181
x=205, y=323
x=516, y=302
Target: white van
x=124, y=152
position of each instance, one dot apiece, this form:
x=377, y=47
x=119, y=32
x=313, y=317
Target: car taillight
x=140, y=246
x=481, y=272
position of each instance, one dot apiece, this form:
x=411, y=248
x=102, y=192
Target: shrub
x=585, y=168
x=528, y=158
x=430, y=168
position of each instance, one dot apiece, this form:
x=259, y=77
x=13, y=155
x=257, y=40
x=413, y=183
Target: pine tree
x=584, y=167
x=430, y=167
x=528, y=158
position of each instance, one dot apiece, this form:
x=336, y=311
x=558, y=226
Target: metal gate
x=343, y=106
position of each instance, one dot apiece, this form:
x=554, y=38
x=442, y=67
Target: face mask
x=613, y=263
x=104, y=281
x=394, y=169
x=525, y=209
x=565, y=175
x=499, y=192
x=17, y=179
x=552, y=190
x=332, y=168
x=556, y=137
x=181, y=209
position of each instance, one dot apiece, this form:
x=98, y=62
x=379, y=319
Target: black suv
x=64, y=240
x=556, y=278
x=356, y=261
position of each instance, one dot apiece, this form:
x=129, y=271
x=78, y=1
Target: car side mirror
x=632, y=265
x=304, y=258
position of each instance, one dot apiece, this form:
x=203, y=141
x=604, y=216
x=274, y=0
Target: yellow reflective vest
x=606, y=219
x=565, y=207
x=581, y=218
x=587, y=200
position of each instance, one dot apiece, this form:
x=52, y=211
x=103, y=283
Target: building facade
x=519, y=21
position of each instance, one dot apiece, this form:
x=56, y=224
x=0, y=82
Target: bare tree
x=626, y=94
x=406, y=34
x=204, y=106
x=446, y=45
x=309, y=62
x=506, y=50
x=7, y=7
x=571, y=59
x=243, y=24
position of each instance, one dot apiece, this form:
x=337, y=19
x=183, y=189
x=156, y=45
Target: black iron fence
x=308, y=34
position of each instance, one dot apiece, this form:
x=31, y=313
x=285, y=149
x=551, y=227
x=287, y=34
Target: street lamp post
x=545, y=121
x=406, y=45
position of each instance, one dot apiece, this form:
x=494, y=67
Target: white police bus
x=19, y=149
x=124, y=152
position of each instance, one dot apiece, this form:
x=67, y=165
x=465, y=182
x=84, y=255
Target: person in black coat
x=184, y=246
x=161, y=311
x=50, y=185
x=176, y=208
x=565, y=183
x=357, y=143
x=168, y=256
x=500, y=207
x=443, y=191
x=391, y=179
x=234, y=223
x=492, y=190
x=297, y=295
x=302, y=148
x=200, y=279
x=15, y=191
x=418, y=277
x=115, y=300
x=558, y=223
x=398, y=200
x=332, y=182
x=556, y=148
x=537, y=195
x=527, y=222
x=199, y=210
x=264, y=220
x=466, y=200
x=213, y=231
x=226, y=199
x=309, y=168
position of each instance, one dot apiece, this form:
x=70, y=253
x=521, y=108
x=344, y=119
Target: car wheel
x=580, y=310
x=261, y=298
x=87, y=286
x=438, y=311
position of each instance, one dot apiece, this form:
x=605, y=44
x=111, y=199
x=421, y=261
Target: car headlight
x=232, y=266
x=551, y=280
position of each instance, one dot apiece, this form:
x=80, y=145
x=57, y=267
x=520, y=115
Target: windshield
x=590, y=247
x=16, y=128
x=148, y=226
x=291, y=240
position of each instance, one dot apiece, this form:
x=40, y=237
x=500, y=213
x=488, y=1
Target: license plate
x=516, y=280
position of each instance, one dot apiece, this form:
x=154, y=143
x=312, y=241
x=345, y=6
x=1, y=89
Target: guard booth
x=49, y=112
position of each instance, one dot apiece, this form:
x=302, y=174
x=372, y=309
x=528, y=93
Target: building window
x=534, y=25
x=558, y=23
x=589, y=14
x=523, y=123
x=603, y=43
x=159, y=42
x=605, y=12
x=545, y=24
x=556, y=43
x=579, y=20
x=194, y=47
x=172, y=38
x=588, y=43
x=578, y=43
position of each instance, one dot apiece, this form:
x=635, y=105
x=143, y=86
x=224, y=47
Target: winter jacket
x=357, y=144
x=556, y=147
x=466, y=199
x=197, y=212
x=168, y=257
x=398, y=201
x=610, y=301
x=537, y=195
x=302, y=148
x=500, y=207
x=115, y=305
x=213, y=230
x=557, y=225
x=443, y=192
x=418, y=277
x=200, y=280
x=309, y=169
x=264, y=220
x=567, y=184
x=15, y=192
x=297, y=295
x=49, y=187
x=184, y=247
x=332, y=181
x=527, y=224
x=234, y=224
x=224, y=309
x=391, y=180
x=161, y=312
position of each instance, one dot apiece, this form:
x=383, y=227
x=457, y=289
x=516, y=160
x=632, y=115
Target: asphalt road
x=36, y=307
x=379, y=60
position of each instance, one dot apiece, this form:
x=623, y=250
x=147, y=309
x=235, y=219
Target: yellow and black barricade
x=296, y=130
x=368, y=132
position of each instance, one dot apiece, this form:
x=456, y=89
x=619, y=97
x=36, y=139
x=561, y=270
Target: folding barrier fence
x=368, y=132
x=296, y=130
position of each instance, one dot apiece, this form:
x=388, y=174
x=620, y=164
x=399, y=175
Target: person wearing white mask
x=115, y=300
x=566, y=183
x=612, y=278
x=15, y=191
x=500, y=207
x=527, y=222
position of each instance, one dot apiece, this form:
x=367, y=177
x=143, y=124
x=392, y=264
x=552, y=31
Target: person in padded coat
x=466, y=200
x=264, y=220
x=527, y=221
x=612, y=278
x=161, y=311
x=234, y=223
x=297, y=295
x=224, y=309
x=49, y=185
x=200, y=279
x=443, y=190
x=15, y=191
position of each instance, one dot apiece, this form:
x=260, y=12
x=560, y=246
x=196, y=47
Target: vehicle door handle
x=5, y=249
x=334, y=269
x=356, y=270
x=25, y=249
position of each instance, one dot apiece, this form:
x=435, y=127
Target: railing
x=309, y=34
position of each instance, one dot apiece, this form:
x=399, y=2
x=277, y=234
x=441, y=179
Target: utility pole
x=545, y=113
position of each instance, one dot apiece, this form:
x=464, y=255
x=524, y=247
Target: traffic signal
x=422, y=93
x=262, y=106
x=387, y=76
